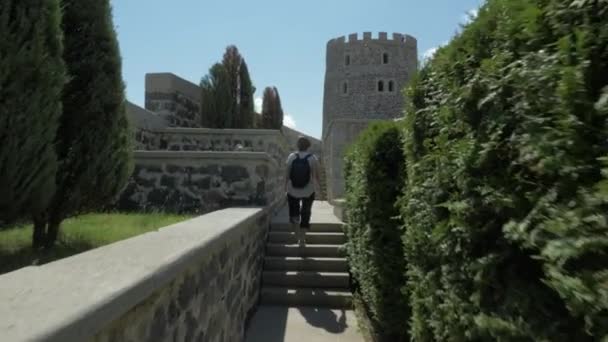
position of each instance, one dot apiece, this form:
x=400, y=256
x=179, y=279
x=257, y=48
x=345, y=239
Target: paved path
x=304, y=324
x=307, y=323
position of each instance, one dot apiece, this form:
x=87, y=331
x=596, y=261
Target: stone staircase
x=312, y=275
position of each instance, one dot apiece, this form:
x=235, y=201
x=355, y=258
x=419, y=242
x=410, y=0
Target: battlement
x=354, y=38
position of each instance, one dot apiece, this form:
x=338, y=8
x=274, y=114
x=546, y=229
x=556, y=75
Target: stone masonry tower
x=363, y=83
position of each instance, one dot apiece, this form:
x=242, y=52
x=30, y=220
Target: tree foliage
x=246, y=109
x=32, y=74
x=505, y=203
x=375, y=170
x=227, y=93
x=505, y=207
x=215, y=99
x=93, y=140
x=272, y=110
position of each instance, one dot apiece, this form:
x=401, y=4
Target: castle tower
x=363, y=82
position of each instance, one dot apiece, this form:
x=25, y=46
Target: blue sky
x=283, y=41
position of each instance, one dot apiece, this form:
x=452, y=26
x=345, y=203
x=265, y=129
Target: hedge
x=375, y=171
x=506, y=195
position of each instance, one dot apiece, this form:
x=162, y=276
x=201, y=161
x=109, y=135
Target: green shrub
x=374, y=177
x=506, y=196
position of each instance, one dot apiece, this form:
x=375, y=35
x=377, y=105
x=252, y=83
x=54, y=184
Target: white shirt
x=309, y=189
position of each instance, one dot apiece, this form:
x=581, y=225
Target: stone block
x=186, y=292
x=167, y=181
x=233, y=173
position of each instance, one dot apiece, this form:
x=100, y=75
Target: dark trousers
x=300, y=207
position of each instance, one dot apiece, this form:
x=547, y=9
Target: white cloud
x=257, y=104
x=470, y=16
x=289, y=121
x=429, y=53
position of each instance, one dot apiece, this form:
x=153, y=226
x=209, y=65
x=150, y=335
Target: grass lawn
x=77, y=235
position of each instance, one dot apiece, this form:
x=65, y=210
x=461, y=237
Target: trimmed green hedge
x=375, y=169
x=506, y=200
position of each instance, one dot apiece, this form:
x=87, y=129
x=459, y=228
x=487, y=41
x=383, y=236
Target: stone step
x=280, y=226
x=306, y=279
x=320, y=238
x=291, y=250
x=305, y=264
x=326, y=298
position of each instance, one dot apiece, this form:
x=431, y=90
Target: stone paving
x=303, y=324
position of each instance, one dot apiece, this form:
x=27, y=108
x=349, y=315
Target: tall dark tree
x=32, y=74
x=232, y=64
x=228, y=92
x=278, y=113
x=272, y=111
x=215, y=98
x=246, y=110
x=93, y=141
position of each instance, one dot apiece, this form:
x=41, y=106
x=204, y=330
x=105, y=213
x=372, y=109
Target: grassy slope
x=78, y=234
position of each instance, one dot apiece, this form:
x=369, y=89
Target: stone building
x=173, y=98
x=363, y=82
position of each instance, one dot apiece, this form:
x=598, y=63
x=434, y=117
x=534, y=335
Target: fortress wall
x=198, y=170
x=201, y=182
x=174, y=98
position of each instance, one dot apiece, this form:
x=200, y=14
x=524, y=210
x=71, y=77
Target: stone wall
x=340, y=135
x=173, y=98
x=271, y=142
x=144, y=125
x=197, y=280
x=203, y=185
x=201, y=182
x=354, y=70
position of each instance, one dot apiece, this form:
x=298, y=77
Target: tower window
x=347, y=60
x=344, y=88
x=385, y=58
x=380, y=86
x=391, y=86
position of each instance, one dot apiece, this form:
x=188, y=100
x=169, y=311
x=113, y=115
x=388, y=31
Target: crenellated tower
x=363, y=82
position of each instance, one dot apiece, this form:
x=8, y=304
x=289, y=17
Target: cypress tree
x=278, y=110
x=93, y=141
x=227, y=93
x=216, y=98
x=272, y=111
x=247, y=90
x=232, y=63
x=32, y=75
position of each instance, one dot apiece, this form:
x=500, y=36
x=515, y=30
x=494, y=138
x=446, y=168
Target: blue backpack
x=300, y=172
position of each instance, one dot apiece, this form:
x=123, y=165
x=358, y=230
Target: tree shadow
x=325, y=318
x=12, y=260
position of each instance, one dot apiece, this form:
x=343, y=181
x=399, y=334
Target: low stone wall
x=197, y=280
x=207, y=139
x=339, y=206
x=201, y=182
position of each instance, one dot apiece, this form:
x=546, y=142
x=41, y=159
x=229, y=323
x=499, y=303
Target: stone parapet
x=200, y=182
x=198, y=280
